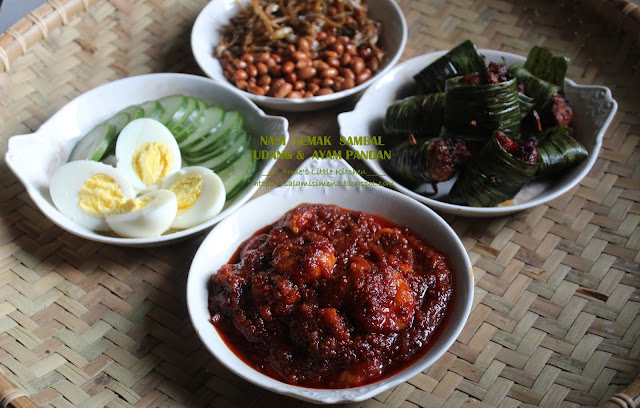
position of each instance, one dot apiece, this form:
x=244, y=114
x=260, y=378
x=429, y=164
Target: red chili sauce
x=331, y=298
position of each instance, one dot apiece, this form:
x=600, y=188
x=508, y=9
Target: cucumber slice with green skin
x=94, y=145
x=119, y=120
x=223, y=143
x=190, y=124
x=152, y=109
x=183, y=113
x=231, y=123
x=171, y=104
x=224, y=160
x=239, y=173
x=134, y=111
x=227, y=142
x=211, y=118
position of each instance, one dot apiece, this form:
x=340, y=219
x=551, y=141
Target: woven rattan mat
x=555, y=317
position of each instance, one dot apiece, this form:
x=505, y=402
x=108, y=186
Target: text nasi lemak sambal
x=331, y=298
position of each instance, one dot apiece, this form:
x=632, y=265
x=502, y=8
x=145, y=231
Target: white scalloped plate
x=593, y=106
x=33, y=157
x=226, y=237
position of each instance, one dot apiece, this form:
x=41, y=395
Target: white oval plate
x=593, y=108
x=205, y=36
x=33, y=157
x=221, y=243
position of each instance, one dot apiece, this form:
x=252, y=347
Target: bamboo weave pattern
x=555, y=320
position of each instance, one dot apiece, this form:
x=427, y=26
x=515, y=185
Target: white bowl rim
x=499, y=210
x=464, y=294
x=45, y=206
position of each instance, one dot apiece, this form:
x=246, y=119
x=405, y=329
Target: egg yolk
x=132, y=205
x=100, y=195
x=152, y=162
x=187, y=190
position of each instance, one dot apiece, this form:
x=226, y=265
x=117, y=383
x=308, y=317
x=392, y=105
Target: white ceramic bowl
x=33, y=157
x=206, y=34
x=221, y=243
x=593, y=108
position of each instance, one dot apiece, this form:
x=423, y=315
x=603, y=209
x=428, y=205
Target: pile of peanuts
x=298, y=71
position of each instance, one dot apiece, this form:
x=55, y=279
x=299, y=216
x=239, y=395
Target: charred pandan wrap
x=527, y=104
x=460, y=60
x=558, y=150
x=497, y=173
x=473, y=111
x=542, y=64
x=419, y=115
x=426, y=160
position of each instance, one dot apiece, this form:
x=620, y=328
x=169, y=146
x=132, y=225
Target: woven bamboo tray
x=555, y=319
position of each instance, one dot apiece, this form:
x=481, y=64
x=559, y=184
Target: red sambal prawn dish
x=331, y=298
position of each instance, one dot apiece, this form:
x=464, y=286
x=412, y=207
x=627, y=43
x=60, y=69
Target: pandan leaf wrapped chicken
x=481, y=102
x=558, y=150
x=419, y=115
x=426, y=161
x=497, y=173
x=550, y=102
x=499, y=126
x=460, y=60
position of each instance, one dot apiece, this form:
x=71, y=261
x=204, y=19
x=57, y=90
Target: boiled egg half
x=147, y=153
x=87, y=191
x=200, y=195
x=149, y=215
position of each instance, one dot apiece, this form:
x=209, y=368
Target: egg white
x=208, y=204
x=67, y=181
x=149, y=221
x=139, y=132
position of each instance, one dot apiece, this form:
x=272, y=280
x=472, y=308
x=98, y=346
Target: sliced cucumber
x=225, y=143
x=239, y=173
x=223, y=160
x=152, y=109
x=171, y=104
x=134, y=112
x=211, y=118
x=119, y=120
x=231, y=123
x=186, y=127
x=183, y=113
x=95, y=143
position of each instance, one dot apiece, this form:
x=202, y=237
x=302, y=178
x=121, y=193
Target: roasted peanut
x=333, y=61
x=306, y=73
x=324, y=91
x=329, y=72
x=240, y=75
x=313, y=88
x=357, y=65
x=264, y=80
x=252, y=70
x=303, y=44
x=283, y=90
x=263, y=69
x=349, y=83
x=288, y=67
x=363, y=76
x=255, y=89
